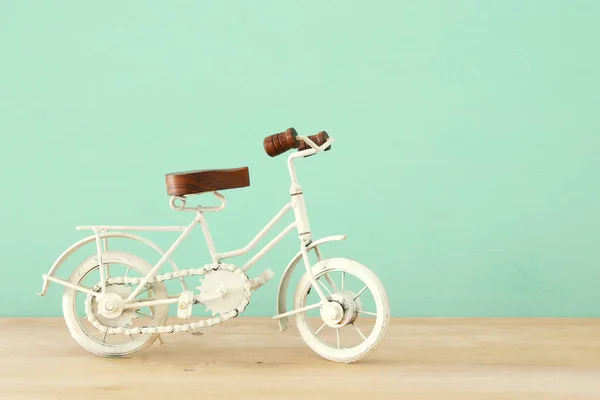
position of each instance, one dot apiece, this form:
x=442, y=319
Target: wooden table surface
x=247, y=359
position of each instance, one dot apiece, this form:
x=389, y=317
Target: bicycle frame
x=301, y=224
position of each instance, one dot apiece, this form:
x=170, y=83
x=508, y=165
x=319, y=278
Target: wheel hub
x=332, y=313
x=110, y=305
x=341, y=310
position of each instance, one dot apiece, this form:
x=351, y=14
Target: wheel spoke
x=359, y=293
x=324, y=286
x=131, y=337
x=330, y=281
x=359, y=331
x=337, y=334
x=104, y=337
x=142, y=314
x=343, y=279
x=127, y=272
x=319, y=330
x=367, y=313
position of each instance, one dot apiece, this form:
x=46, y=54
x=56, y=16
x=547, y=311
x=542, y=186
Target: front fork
x=305, y=235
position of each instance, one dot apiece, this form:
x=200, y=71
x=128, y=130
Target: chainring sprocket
x=223, y=279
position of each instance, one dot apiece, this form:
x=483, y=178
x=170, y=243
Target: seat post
x=199, y=209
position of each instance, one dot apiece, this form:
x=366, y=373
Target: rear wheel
x=87, y=274
x=355, y=320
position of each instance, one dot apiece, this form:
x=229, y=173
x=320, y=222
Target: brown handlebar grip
x=279, y=143
x=319, y=139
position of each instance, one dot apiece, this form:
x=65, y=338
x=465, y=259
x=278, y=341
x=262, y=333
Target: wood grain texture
x=423, y=359
x=279, y=143
x=192, y=182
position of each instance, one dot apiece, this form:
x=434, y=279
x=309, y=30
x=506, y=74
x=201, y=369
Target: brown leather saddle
x=208, y=180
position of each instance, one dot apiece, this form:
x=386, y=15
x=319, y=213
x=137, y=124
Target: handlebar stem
x=301, y=154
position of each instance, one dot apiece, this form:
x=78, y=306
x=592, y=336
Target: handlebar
x=319, y=139
x=280, y=143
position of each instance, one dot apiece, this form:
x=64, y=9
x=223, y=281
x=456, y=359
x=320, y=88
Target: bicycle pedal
x=264, y=277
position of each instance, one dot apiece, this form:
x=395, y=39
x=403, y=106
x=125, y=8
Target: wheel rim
x=87, y=274
x=366, y=311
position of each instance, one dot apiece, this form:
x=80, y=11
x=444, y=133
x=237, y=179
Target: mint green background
x=465, y=170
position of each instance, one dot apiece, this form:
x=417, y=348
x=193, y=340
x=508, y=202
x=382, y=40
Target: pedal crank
x=212, y=295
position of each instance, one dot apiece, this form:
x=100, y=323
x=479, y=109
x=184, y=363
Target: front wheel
x=355, y=320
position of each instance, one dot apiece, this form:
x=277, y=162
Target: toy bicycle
x=116, y=303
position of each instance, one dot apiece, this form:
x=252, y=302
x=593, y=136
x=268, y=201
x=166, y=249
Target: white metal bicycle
x=116, y=303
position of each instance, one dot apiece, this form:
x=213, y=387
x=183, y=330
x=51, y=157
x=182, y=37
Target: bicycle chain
x=207, y=269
